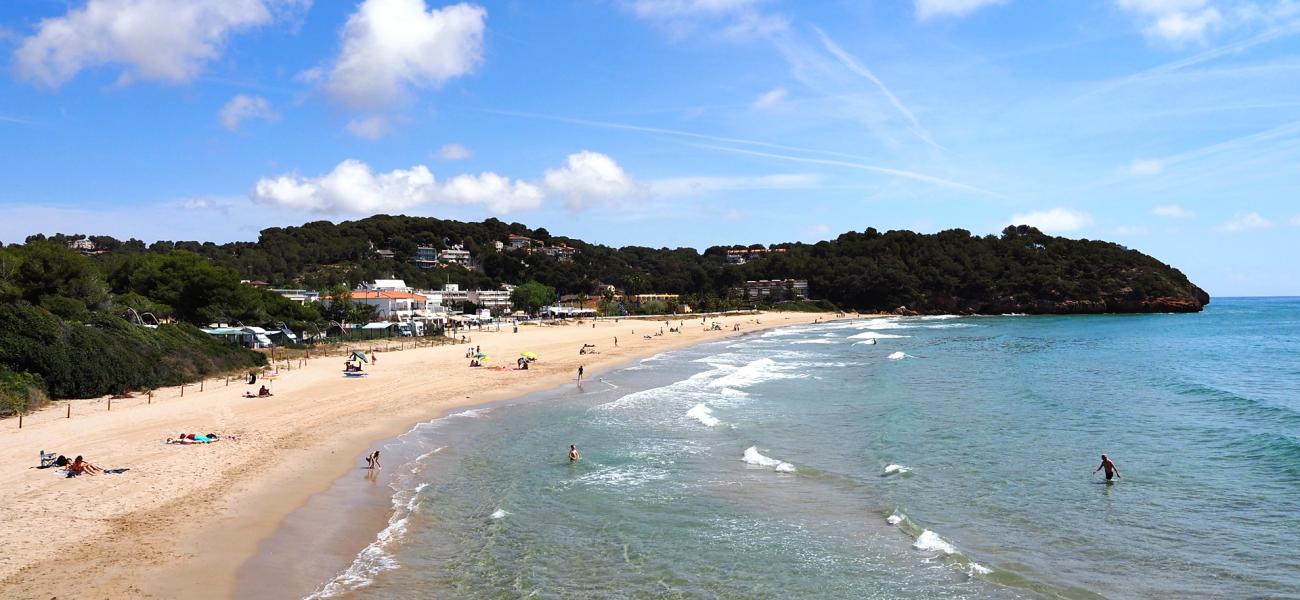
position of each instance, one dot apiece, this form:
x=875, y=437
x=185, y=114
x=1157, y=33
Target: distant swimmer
x=1112, y=471
x=573, y=453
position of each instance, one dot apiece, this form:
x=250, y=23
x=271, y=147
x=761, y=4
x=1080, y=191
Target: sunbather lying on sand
x=81, y=467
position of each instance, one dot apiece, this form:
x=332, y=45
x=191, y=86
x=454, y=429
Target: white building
x=496, y=300
x=299, y=296
x=456, y=255
x=452, y=295
x=386, y=285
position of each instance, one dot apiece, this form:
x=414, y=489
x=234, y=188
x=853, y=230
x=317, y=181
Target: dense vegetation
x=61, y=313
x=107, y=355
x=1022, y=270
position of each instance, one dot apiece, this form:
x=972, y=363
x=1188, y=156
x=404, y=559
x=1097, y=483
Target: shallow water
x=951, y=458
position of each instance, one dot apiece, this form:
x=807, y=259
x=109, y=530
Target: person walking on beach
x=573, y=453
x=615, y=341
x=1111, y=469
x=580, y=370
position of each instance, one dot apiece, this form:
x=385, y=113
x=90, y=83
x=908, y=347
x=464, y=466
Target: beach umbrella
x=361, y=356
x=529, y=355
x=480, y=355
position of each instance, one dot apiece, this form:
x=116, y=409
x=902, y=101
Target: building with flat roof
x=772, y=290
x=426, y=257
x=456, y=255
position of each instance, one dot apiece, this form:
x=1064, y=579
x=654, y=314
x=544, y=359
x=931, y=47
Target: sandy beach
x=187, y=517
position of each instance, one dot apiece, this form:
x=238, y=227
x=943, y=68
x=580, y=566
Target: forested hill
x=1023, y=270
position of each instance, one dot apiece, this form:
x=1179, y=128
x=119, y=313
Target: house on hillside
x=519, y=242
x=456, y=255
x=426, y=257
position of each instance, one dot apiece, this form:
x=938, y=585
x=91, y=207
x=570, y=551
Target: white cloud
x=454, y=152
x=1295, y=221
x=1175, y=22
x=391, y=46
x=1245, y=222
x=1054, y=220
x=353, y=188
x=928, y=9
x=498, y=193
x=370, y=127
x=161, y=40
x=771, y=100
x=244, y=107
x=589, y=176
x=1143, y=167
x=1172, y=211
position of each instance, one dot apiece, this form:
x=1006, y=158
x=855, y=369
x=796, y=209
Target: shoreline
x=191, y=517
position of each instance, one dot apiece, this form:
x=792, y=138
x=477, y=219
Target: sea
x=895, y=457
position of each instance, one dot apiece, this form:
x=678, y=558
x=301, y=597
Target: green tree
x=532, y=296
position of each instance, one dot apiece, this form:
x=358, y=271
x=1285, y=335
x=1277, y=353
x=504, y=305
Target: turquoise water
x=951, y=458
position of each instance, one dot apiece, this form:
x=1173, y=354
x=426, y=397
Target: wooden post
x=227, y=381
x=69, y=410
x=110, y=404
x=182, y=390
x=20, y=419
x=150, y=401
x=200, y=385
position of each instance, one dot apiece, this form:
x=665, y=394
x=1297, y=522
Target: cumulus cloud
x=244, y=107
x=1175, y=22
x=352, y=187
x=454, y=152
x=929, y=9
x=1172, y=211
x=589, y=177
x=771, y=99
x=391, y=46
x=1144, y=167
x=1245, y=222
x=1056, y=220
x=161, y=40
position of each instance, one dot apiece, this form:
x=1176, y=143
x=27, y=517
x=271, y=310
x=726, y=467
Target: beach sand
x=184, y=519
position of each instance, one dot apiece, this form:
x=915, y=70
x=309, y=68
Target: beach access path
x=184, y=519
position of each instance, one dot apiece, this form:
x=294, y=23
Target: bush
x=107, y=355
x=20, y=392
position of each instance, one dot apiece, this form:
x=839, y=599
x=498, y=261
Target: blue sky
x=1171, y=126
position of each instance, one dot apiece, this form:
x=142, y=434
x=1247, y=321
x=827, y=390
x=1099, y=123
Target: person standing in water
x=580, y=373
x=573, y=453
x=1111, y=469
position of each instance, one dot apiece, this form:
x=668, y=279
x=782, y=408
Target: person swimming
x=573, y=453
x=1111, y=469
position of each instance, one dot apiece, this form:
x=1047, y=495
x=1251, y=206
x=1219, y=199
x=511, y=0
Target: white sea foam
x=816, y=341
x=374, y=558
x=975, y=568
x=930, y=541
x=624, y=476
x=754, y=457
x=876, y=335
x=870, y=342
x=703, y=414
x=499, y=514
x=898, y=356
x=763, y=369
x=895, y=470
x=894, y=519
